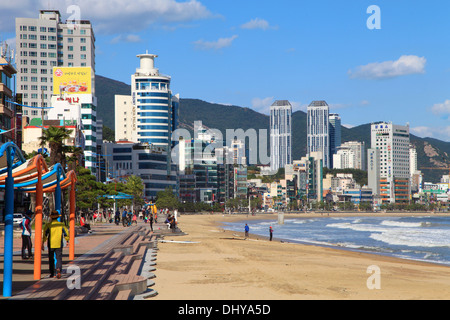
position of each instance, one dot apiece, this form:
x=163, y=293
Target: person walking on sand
x=270, y=232
x=26, y=235
x=247, y=229
x=54, y=232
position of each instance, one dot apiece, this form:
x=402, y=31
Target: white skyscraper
x=318, y=135
x=392, y=141
x=335, y=135
x=150, y=114
x=280, y=134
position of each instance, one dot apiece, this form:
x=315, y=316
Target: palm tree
x=55, y=137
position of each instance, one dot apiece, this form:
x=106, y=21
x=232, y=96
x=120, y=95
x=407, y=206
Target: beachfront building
x=350, y=155
x=318, y=126
x=150, y=114
x=126, y=158
x=210, y=177
x=335, y=135
x=44, y=43
x=280, y=134
x=393, y=163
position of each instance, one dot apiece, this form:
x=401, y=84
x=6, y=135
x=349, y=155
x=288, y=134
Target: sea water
x=424, y=238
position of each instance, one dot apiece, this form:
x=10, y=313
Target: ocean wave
x=391, y=223
x=427, y=239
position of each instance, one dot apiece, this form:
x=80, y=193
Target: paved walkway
x=23, y=270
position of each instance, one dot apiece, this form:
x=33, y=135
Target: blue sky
x=252, y=52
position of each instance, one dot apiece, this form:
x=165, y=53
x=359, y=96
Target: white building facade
x=393, y=142
x=280, y=134
x=150, y=114
x=350, y=155
x=318, y=137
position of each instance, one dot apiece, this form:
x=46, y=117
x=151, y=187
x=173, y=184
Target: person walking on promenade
x=271, y=232
x=26, y=235
x=247, y=229
x=134, y=218
x=54, y=232
x=150, y=219
x=124, y=217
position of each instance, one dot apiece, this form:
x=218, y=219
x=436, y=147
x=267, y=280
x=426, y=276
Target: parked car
x=17, y=219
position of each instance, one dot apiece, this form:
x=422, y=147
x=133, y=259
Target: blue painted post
x=9, y=216
x=58, y=193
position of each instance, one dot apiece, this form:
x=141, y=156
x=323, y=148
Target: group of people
x=55, y=232
x=129, y=218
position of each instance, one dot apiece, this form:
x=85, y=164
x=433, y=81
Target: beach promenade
x=127, y=249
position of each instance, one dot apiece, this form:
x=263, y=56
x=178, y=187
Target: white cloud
x=441, y=133
x=109, y=16
x=131, y=38
x=405, y=65
x=258, y=24
x=298, y=106
x=262, y=105
x=214, y=45
x=348, y=126
x=441, y=108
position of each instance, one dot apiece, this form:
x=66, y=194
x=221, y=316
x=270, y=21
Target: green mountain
x=431, y=152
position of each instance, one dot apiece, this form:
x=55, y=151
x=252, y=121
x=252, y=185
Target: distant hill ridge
x=430, y=152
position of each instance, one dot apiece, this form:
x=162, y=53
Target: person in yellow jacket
x=53, y=233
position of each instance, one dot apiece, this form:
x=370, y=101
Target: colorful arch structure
x=32, y=176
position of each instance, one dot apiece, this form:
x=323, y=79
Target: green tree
x=135, y=187
x=87, y=189
x=108, y=134
x=167, y=199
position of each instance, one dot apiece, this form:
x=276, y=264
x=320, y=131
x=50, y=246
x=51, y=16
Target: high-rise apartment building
x=392, y=141
x=280, y=134
x=335, y=135
x=351, y=154
x=318, y=130
x=7, y=113
x=45, y=43
x=150, y=115
x=412, y=159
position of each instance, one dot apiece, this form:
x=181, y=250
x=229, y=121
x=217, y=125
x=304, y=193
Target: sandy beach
x=216, y=264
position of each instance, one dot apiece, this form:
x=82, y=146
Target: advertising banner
x=72, y=80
